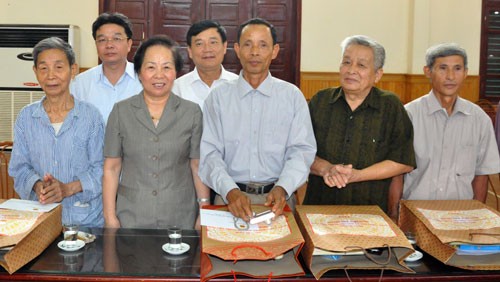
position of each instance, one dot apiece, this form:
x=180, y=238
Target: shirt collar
x=195, y=77
x=434, y=105
x=265, y=88
x=138, y=102
x=40, y=111
x=129, y=71
x=372, y=100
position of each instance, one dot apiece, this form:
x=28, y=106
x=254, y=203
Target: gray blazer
x=156, y=187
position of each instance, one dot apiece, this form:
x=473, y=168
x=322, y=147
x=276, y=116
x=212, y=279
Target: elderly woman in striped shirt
x=57, y=155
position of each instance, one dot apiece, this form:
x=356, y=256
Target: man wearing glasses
x=114, y=79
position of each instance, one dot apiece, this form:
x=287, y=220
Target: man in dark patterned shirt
x=364, y=135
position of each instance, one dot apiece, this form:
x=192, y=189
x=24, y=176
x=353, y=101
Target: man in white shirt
x=113, y=80
x=207, y=45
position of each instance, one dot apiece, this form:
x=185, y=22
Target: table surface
x=136, y=254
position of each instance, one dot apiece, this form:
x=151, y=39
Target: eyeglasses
x=114, y=40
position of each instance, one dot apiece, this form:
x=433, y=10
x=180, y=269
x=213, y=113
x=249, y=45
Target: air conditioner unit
x=18, y=84
x=16, y=46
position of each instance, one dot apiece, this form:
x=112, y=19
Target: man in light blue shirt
x=113, y=80
x=258, y=143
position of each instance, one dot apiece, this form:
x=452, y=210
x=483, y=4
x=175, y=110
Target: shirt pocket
x=466, y=161
x=79, y=153
x=277, y=132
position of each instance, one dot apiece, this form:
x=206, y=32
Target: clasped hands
x=338, y=175
x=50, y=190
x=240, y=205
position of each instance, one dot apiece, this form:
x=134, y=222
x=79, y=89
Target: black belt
x=255, y=188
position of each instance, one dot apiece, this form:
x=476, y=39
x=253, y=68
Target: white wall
x=325, y=23
x=77, y=12
x=439, y=21
x=406, y=28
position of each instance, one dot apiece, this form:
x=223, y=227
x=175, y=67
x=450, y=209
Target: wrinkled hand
x=239, y=204
x=277, y=198
x=52, y=190
x=338, y=175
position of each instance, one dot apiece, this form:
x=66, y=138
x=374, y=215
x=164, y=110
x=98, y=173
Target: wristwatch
x=203, y=200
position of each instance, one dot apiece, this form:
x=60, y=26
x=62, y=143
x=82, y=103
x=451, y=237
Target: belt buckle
x=255, y=189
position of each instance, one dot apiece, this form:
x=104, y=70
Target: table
x=136, y=255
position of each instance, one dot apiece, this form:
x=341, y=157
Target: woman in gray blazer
x=152, y=148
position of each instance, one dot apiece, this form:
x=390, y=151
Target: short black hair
x=161, y=40
x=54, y=43
x=201, y=26
x=258, y=21
x=114, y=18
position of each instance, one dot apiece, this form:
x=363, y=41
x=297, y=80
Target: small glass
x=70, y=234
x=411, y=238
x=174, y=237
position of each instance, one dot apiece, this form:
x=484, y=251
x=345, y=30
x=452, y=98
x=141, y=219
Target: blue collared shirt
x=256, y=135
x=75, y=153
x=94, y=87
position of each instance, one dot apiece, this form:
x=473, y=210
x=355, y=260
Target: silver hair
x=378, y=50
x=54, y=43
x=444, y=50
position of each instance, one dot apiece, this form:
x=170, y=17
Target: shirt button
x=154, y=193
x=350, y=117
x=155, y=139
x=155, y=175
x=154, y=158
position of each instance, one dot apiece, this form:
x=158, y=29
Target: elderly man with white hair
x=363, y=133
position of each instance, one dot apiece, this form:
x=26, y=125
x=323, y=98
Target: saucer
x=184, y=248
x=86, y=237
x=78, y=245
x=414, y=256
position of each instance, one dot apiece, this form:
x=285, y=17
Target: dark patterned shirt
x=379, y=129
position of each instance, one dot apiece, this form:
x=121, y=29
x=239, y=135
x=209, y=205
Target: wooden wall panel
x=407, y=86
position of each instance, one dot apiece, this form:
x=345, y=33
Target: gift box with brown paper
x=31, y=243
x=351, y=237
x=269, y=252
x=440, y=225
